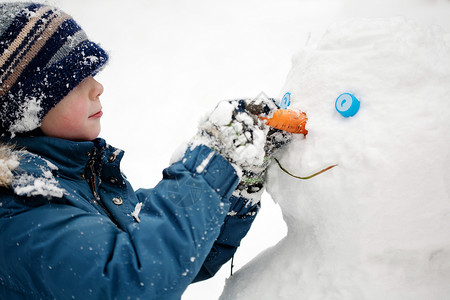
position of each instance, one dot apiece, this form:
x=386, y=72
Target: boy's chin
x=80, y=137
x=86, y=138
x=87, y=135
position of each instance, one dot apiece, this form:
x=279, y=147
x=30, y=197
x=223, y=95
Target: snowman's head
x=393, y=155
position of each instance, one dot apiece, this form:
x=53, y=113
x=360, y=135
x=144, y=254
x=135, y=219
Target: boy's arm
x=234, y=130
x=235, y=227
x=62, y=249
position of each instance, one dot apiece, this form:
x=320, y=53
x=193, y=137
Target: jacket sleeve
x=61, y=250
x=235, y=227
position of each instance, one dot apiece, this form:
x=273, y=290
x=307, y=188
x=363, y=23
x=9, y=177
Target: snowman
x=376, y=226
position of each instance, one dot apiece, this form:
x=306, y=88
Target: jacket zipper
x=91, y=182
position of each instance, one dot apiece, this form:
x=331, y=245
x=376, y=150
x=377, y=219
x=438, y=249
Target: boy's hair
x=44, y=54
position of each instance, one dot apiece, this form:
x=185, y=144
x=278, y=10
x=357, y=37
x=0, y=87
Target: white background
x=172, y=61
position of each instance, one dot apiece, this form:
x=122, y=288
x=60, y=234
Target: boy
x=71, y=225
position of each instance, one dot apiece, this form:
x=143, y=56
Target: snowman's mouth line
x=303, y=177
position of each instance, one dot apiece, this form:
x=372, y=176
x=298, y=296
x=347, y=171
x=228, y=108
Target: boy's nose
x=96, y=90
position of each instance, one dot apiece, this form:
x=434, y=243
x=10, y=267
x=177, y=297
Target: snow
x=221, y=115
x=8, y=162
x=30, y=185
x=376, y=226
x=137, y=211
x=29, y=110
x=201, y=167
x=235, y=134
x=172, y=61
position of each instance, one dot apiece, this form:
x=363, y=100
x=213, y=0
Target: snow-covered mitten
x=234, y=130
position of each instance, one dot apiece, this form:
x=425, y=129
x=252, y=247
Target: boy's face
x=77, y=116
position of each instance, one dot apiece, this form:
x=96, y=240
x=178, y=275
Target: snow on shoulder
x=9, y=161
x=377, y=226
x=34, y=177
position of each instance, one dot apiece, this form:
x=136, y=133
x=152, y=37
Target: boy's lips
x=96, y=115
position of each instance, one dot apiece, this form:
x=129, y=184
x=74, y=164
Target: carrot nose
x=288, y=120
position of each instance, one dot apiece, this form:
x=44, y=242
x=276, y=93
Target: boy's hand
x=234, y=130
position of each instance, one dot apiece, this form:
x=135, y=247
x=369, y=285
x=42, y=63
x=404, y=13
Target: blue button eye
x=347, y=105
x=286, y=101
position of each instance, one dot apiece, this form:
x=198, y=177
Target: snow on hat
x=44, y=54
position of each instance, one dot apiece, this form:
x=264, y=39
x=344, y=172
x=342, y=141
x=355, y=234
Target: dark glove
x=234, y=130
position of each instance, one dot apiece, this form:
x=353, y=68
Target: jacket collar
x=68, y=156
x=41, y=157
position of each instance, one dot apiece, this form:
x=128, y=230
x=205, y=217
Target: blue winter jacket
x=70, y=225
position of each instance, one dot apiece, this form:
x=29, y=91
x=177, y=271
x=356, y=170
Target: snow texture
x=43, y=183
x=239, y=138
x=30, y=112
x=201, y=167
x=9, y=161
x=377, y=226
x=137, y=211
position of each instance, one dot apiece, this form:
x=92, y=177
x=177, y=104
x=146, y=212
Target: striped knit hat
x=44, y=54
